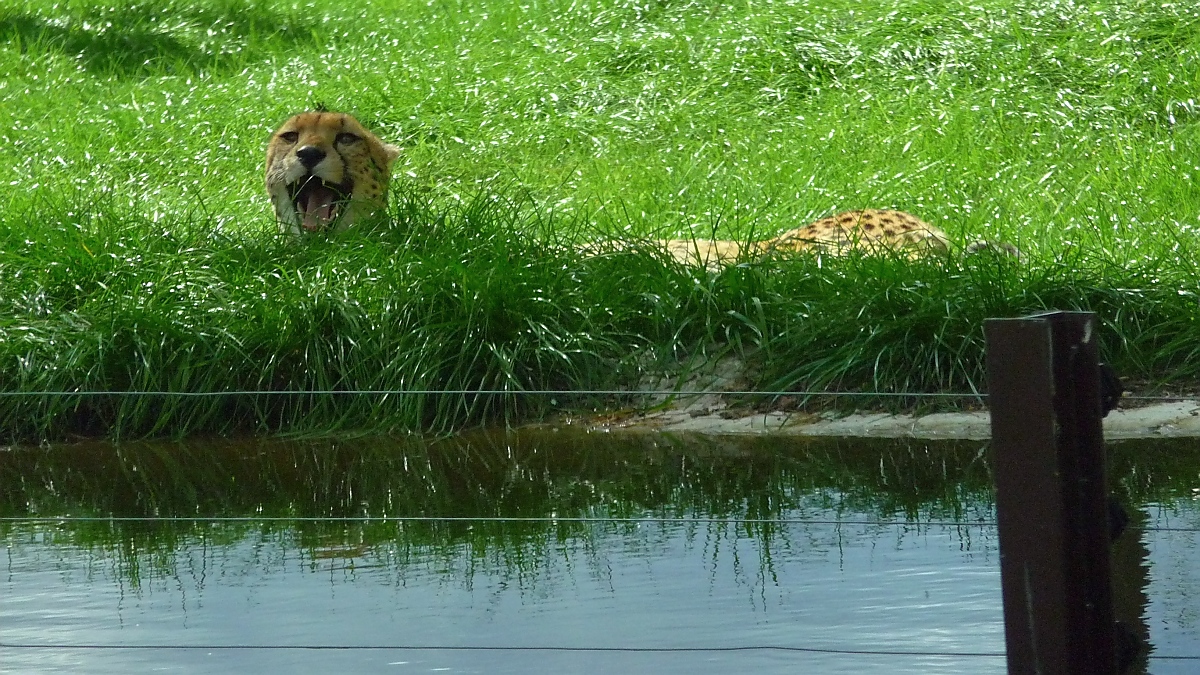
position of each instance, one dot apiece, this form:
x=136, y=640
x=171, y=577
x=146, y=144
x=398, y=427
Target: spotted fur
x=867, y=230
x=326, y=171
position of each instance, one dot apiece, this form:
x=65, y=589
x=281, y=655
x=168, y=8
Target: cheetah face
x=325, y=170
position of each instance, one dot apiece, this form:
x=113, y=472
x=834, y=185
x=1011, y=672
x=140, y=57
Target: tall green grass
x=458, y=299
x=487, y=295
x=136, y=251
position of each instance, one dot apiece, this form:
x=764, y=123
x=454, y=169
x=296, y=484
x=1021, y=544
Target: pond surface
x=544, y=551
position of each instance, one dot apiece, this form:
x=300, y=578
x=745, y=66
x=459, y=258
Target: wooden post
x=1048, y=462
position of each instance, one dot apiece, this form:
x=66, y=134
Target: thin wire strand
x=538, y=392
x=484, y=392
x=531, y=519
x=514, y=648
x=488, y=519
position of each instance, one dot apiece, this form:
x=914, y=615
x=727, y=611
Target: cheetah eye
x=347, y=138
x=290, y=136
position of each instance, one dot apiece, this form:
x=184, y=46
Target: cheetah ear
x=391, y=152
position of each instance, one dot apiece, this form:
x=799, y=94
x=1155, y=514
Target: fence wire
x=553, y=520
x=514, y=648
x=485, y=392
x=489, y=519
x=547, y=648
x=545, y=392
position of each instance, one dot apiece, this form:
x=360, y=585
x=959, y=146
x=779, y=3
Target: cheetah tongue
x=317, y=207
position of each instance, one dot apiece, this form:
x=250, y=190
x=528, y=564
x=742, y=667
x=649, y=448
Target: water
x=800, y=551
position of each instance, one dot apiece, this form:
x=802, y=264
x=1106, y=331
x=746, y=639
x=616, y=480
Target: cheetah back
x=866, y=230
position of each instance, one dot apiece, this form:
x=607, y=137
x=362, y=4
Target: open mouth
x=317, y=203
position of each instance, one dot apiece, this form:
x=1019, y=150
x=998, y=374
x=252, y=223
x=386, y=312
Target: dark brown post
x=1048, y=461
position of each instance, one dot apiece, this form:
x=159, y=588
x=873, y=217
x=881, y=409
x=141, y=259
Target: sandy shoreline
x=711, y=413
x=707, y=414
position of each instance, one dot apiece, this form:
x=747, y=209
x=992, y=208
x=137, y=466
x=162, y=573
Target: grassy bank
x=487, y=296
x=136, y=250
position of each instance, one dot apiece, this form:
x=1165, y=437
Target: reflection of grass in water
x=527, y=474
x=1154, y=471
x=531, y=473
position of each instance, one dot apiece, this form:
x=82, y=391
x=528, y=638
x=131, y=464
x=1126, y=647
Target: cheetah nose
x=310, y=156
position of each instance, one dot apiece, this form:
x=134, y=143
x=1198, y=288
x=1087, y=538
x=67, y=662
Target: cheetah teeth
x=316, y=202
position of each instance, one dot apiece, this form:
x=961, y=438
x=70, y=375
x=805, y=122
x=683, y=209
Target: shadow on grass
x=142, y=38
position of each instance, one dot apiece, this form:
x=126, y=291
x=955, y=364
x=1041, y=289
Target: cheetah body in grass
x=865, y=230
x=325, y=171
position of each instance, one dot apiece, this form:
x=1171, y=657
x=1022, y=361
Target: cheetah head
x=325, y=170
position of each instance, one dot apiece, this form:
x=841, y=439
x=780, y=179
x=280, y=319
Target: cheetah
x=864, y=230
x=325, y=171
x=867, y=230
